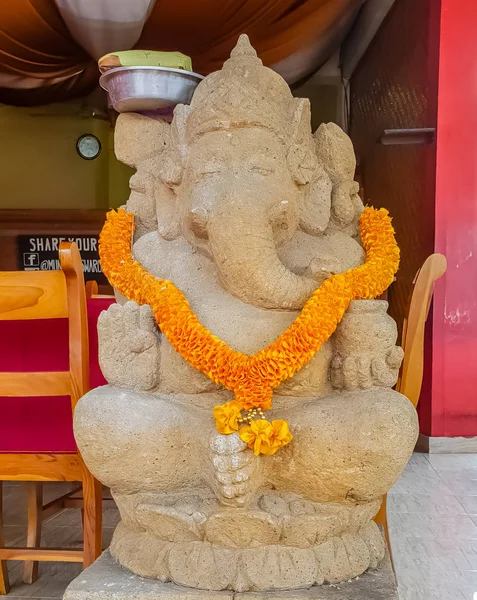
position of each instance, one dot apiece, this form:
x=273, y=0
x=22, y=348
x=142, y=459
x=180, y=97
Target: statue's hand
x=129, y=346
x=346, y=206
x=236, y=470
x=342, y=205
x=363, y=371
x=321, y=267
x=386, y=369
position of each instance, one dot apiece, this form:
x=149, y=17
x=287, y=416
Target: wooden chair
x=92, y=291
x=91, y=288
x=410, y=379
x=50, y=295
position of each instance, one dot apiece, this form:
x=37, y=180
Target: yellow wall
x=40, y=167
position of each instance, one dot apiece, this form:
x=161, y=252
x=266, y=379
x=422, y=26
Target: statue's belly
x=177, y=376
x=243, y=327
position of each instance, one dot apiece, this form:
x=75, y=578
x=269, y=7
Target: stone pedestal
x=107, y=580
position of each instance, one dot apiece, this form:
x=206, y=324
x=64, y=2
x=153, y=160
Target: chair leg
x=4, y=583
x=92, y=518
x=382, y=519
x=35, y=515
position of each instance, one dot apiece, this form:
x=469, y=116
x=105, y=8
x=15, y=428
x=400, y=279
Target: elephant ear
x=167, y=211
x=315, y=204
x=335, y=152
x=140, y=142
x=302, y=160
x=172, y=167
x=137, y=138
x=170, y=177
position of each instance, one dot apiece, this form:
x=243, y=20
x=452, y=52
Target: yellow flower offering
x=264, y=437
x=226, y=417
x=252, y=378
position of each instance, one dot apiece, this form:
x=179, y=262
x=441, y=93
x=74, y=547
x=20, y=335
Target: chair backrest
x=91, y=288
x=32, y=295
x=410, y=380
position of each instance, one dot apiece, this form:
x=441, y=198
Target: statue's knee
x=384, y=442
x=132, y=440
x=379, y=442
x=351, y=447
x=390, y=423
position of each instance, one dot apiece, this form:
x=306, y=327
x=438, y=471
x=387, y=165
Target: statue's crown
x=243, y=93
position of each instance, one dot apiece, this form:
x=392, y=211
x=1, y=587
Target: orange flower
x=226, y=416
x=257, y=436
x=264, y=437
x=254, y=396
x=252, y=378
x=281, y=435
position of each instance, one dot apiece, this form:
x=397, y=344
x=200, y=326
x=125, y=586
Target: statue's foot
x=271, y=518
x=170, y=518
x=232, y=528
x=236, y=470
x=207, y=565
x=172, y=537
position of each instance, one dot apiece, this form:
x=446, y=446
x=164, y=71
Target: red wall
x=421, y=71
x=395, y=87
x=454, y=372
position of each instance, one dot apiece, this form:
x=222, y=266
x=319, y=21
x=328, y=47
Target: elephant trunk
x=243, y=247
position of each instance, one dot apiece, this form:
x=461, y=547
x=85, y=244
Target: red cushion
x=37, y=425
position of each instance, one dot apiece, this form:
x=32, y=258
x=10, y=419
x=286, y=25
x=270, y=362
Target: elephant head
x=240, y=176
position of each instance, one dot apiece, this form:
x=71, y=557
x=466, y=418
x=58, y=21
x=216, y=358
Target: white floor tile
x=466, y=581
x=438, y=579
x=458, y=473
x=469, y=504
x=419, y=458
x=425, y=503
x=437, y=554
x=452, y=462
x=421, y=592
x=460, y=485
x=432, y=526
x=421, y=481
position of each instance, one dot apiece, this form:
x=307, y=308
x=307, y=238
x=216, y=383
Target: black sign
x=40, y=253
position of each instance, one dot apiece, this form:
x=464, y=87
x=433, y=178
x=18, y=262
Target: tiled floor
x=433, y=527
x=432, y=518
x=61, y=531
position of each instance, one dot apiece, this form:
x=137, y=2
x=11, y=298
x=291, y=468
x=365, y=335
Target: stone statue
x=253, y=213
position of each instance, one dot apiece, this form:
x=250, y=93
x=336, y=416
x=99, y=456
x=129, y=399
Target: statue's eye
x=261, y=170
x=210, y=173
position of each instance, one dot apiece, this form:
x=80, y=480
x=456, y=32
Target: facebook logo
x=31, y=259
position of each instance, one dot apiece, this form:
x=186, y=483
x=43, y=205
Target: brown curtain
x=207, y=30
x=40, y=62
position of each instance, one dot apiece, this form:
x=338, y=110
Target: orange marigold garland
x=252, y=378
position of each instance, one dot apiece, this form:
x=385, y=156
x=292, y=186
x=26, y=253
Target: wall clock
x=88, y=146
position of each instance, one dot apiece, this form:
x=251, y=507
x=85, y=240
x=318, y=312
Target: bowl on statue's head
x=149, y=90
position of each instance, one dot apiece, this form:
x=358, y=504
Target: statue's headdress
x=246, y=94
x=243, y=93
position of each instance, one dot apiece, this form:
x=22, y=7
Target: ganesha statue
x=250, y=428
